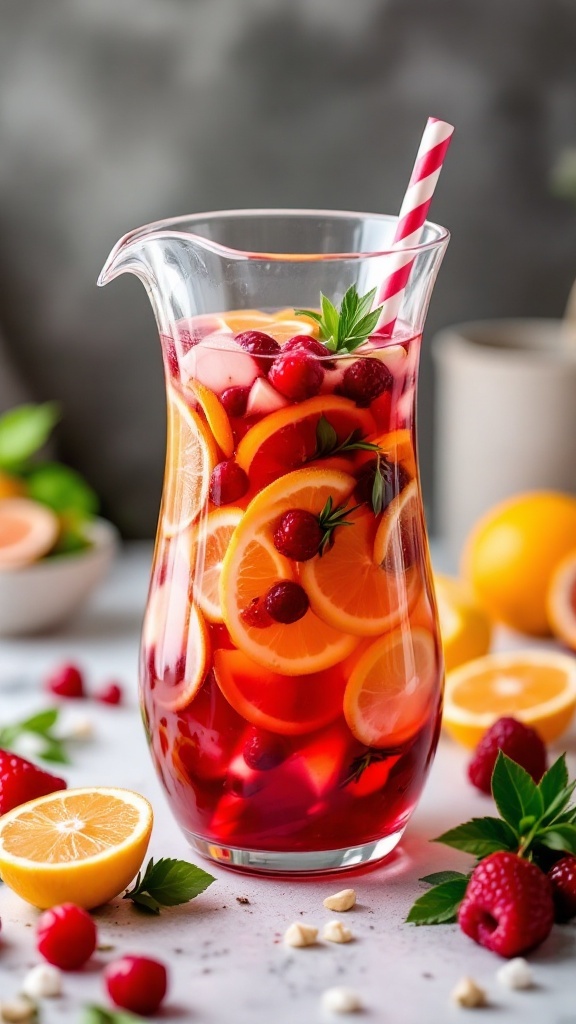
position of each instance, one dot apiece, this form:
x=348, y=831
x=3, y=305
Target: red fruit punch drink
x=291, y=672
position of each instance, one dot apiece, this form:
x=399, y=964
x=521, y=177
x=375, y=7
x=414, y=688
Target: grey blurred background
x=117, y=112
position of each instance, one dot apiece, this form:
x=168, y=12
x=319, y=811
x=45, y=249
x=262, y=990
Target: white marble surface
x=227, y=960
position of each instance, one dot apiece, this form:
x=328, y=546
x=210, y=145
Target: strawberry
x=20, y=780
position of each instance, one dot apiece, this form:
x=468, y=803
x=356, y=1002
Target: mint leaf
x=558, y=837
x=330, y=519
x=437, y=877
x=554, y=780
x=62, y=489
x=440, y=904
x=99, y=1015
x=23, y=431
x=516, y=794
x=42, y=724
x=345, y=330
x=167, y=883
x=481, y=836
x=326, y=438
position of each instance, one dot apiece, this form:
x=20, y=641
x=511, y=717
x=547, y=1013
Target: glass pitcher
x=291, y=671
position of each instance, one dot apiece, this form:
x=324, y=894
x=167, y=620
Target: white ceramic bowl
x=44, y=595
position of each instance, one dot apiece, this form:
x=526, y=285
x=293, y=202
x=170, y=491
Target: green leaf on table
x=480, y=836
x=99, y=1015
x=42, y=725
x=440, y=904
x=167, y=883
x=516, y=794
x=437, y=877
x=24, y=431
x=63, y=490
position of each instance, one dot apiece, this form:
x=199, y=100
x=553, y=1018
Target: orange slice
x=238, y=320
x=190, y=459
x=561, y=601
x=286, y=439
x=289, y=705
x=81, y=846
x=11, y=486
x=393, y=688
x=28, y=530
x=177, y=638
x=209, y=542
x=281, y=325
x=536, y=686
x=216, y=416
x=252, y=564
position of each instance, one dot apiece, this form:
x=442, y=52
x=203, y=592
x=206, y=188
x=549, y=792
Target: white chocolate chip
x=42, y=982
x=19, y=1010
x=300, y=934
x=335, y=931
x=468, y=993
x=516, y=973
x=341, y=901
x=341, y=1000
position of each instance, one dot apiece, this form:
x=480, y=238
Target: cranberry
x=298, y=535
x=235, y=401
x=255, y=615
x=111, y=693
x=258, y=345
x=286, y=602
x=66, y=681
x=263, y=751
x=136, y=983
x=66, y=936
x=365, y=380
x=228, y=482
x=296, y=375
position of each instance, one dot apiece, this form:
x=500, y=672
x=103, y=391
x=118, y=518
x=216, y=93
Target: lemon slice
x=209, y=542
x=191, y=457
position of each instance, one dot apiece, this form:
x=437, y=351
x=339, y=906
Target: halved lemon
x=393, y=688
x=252, y=565
x=561, y=601
x=209, y=542
x=177, y=638
x=82, y=846
x=190, y=459
x=536, y=686
x=28, y=530
x=465, y=627
x=216, y=416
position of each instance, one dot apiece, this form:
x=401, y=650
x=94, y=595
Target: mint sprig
x=372, y=755
x=23, y=432
x=168, y=882
x=329, y=519
x=51, y=747
x=344, y=330
x=99, y=1015
x=327, y=441
x=534, y=818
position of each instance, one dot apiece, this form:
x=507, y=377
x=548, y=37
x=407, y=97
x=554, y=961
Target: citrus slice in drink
x=536, y=686
x=238, y=320
x=286, y=439
x=393, y=688
x=252, y=565
x=191, y=457
x=465, y=627
x=289, y=705
x=216, y=416
x=176, y=638
x=81, y=846
x=561, y=601
x=28, y=530
x=209, y=540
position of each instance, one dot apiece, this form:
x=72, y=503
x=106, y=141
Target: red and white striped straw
x=413, y=212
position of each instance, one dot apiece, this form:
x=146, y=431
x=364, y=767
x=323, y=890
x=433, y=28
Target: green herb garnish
x=346, y=330
x=51, y=747
x=329, y=519
x=327, y=441
x=23, y=431
x=358, y=766
x=381, y=487
x=167, y=883
x=99, y=1015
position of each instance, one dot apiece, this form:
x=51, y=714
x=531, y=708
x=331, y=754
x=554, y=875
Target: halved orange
x=286, y=439
x=81, y=846
x=252, y=565
x=28, y=530
x=216, y=415
x=561, y=601
x=289, y=705
x=177, y=638
x=190, y=458
x=536, y=686
x=393, y=688
x=209, y=540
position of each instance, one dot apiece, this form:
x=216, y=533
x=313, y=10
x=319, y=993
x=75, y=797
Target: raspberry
x=228, y=482
x=235, y=401
x=296, y=375
x=516, y=740
x=66, y=681
x=365, y=380
x=259, y=344
x=286, y=602
x=20, y=780
x=304, y=343
x=263, y=751
x=508, y=905
x=563, y=880
x=255, y=615
x=111, y=693
x=66, y=936
x=298, y=535
x=136, y=983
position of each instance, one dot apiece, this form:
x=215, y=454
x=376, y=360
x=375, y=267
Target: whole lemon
x=512, y=553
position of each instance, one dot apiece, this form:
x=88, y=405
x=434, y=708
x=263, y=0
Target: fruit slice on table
x=286, y=439
x=215, y=414
x=392, y=689
x=465, y=627
x=252, y=565
x=561, y=601
x=537, y=687
x=289, y=705
x=81, y=846
x=191, y=457
x=28, y=530
x=209, y=542
x=176, y=638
